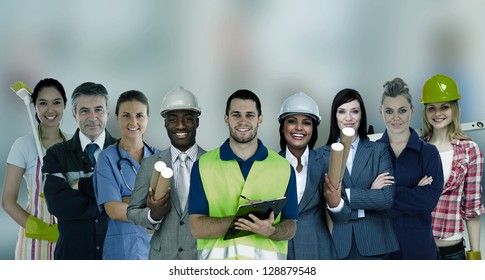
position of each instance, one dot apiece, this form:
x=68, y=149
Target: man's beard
x=244, y=140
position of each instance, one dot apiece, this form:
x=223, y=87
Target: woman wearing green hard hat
x=461, y=200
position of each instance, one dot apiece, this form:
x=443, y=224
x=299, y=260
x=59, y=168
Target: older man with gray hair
x=68, y=169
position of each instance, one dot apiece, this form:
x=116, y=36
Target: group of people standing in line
x=401, y=197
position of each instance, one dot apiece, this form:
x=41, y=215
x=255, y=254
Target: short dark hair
x=345, y=96
x=132, y=95
x=88, y=89
x=245, y=95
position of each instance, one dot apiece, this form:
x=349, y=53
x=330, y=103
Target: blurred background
x=212, y=48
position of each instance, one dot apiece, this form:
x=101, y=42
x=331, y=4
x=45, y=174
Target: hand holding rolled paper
x=163, y=179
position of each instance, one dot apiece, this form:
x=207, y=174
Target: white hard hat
x=179, y=99
x=299, y=103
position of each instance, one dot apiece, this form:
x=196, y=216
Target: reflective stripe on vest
x=267, y=179
x=239, y=252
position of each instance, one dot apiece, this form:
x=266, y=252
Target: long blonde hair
x=454, y=129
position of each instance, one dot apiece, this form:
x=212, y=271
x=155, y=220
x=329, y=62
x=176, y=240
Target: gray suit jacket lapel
x=314, y=173
x=314, y=170
x=364, y=151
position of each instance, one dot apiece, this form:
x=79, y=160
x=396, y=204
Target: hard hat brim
x=196, y=110
x=283, y=116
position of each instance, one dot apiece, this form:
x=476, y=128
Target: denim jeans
x=454, y=252
x=454, y=256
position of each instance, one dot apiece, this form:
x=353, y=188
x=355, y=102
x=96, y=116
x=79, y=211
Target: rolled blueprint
x=346, y=136
x=334, y=174
x=157, y=168
x=335, y=168
x=163, y=184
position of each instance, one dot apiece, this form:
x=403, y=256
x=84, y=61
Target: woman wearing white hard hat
x=461, y=200
x=299, y=117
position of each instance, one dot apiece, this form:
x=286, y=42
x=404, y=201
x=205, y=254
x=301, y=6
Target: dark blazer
x=312, y=240
x=172, y=240
x=373, y=234
x=82, y=227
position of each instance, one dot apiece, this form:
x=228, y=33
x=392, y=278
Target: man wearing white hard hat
x=168, y=216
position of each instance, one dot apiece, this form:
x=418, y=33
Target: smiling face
x=349, y=115
x=181, y=128
x=439, y=115
x=132, y=119
x=50, y=106
x=397, y=112
x=297, y=130
x=91, y=115
x=243, y=120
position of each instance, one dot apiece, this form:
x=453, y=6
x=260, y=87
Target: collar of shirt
x=355, y=144
x=191, y=153
x=353, y=149
x=413, y=142
x=85, y=140
x=294, y=161
x=301, y=177
x=227, y=153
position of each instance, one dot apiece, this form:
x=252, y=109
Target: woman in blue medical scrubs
x=114, y=178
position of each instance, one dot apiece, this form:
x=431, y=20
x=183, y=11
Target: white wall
x=274, y=48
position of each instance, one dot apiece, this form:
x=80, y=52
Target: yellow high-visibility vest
x=223, y=184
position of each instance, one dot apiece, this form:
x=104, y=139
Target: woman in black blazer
x=358, y=207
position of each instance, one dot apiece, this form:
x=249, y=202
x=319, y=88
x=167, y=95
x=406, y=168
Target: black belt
x=447, y=250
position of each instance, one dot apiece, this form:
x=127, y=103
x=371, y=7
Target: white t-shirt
x=24, y=154
x=446, y=161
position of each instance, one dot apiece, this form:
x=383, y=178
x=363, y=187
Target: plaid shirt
x=462, y=193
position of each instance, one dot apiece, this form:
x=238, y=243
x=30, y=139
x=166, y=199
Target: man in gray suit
x=172, y=239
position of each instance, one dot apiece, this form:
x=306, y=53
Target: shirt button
x=97, y=247
x=182, y=223
x=181, y=250
x=96, y=220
